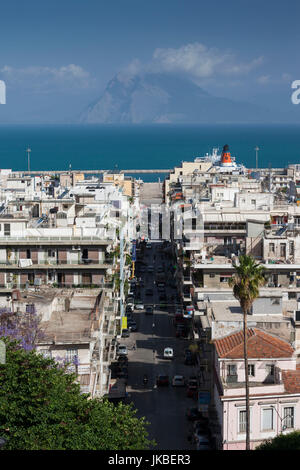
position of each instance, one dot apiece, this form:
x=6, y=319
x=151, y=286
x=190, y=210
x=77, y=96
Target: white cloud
x=201, y=62
x=278, y=80
x=46, y=79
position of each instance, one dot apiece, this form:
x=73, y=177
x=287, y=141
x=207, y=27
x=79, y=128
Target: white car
x=168, y=353
x=122, y=350
x=178, y=381
x=139, y=306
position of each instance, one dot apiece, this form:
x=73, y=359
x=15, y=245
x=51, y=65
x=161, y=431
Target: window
x=242, y=420
x=267, y=419
x=271, y=248
x=6, y=229
x=251, y=370
x=231, y=369
x=288, y=417
x=282, y=249
x=253, y=202
x=71, y=354
x=270, y=369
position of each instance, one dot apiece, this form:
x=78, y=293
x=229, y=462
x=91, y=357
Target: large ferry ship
x=223, y=162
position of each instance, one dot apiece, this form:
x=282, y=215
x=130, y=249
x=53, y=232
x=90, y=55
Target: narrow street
x=165, y=406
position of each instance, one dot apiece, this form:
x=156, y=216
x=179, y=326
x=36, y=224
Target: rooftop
x=260, y=345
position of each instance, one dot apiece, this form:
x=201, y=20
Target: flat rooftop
x=74, y=326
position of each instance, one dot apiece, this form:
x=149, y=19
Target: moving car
x=162, y=380
x=178, y=381
x=168, y=353
x=149, y=310
x=122, y=350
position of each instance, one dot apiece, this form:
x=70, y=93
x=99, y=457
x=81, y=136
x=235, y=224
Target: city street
x=165, y=406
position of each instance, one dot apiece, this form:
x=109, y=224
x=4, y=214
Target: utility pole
x=256, y=153
x=28, y=157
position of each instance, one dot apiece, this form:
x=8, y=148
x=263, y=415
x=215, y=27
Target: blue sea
x=143, y=147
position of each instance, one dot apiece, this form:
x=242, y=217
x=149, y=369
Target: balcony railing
x=230, y=379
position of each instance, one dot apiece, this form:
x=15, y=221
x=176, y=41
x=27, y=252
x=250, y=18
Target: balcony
x=231, y=379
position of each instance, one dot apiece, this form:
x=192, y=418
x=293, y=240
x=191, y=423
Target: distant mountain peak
x=166, y=98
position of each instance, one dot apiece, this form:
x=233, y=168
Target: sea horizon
x=154, y=146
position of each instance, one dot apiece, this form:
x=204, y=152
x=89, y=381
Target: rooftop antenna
x=256, y=154
x=28, y=150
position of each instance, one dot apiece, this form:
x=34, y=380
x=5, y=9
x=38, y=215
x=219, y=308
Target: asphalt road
x=163, y=407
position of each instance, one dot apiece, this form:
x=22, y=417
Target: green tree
x=246, y=281
x=289, y=441
x=41, y=408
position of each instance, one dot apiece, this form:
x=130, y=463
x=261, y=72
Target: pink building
x=274, y=381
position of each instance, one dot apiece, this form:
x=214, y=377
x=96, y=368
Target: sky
x=58, y=56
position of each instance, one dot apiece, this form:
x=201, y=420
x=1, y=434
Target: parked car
x=162, y=380
x=160, y=269
x=190, y=360
x=193, y=414
x=149, y=291
x=125, y=333
x=168, y=353
x=129, y=317
x=201, y=426
x=122, y=374
x=178, y=381
x=132, y=326
x=122, y=350
x=122, y=360
x=150, y=269
x=202, y=442
x=148, y=246
x=192, y=389
x=149, y=310
x=181, y=331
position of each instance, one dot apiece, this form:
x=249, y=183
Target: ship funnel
x=226, y=157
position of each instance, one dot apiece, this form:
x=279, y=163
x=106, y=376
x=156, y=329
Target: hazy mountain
x=166, y=98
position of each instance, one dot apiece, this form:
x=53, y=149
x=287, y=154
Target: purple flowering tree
x=23, y=327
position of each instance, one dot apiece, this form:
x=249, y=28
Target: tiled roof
x=291, y=380
x=260, y=345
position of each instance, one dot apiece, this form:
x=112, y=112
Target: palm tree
x=249, y=276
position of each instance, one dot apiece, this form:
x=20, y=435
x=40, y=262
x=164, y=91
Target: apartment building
x=274, y=388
